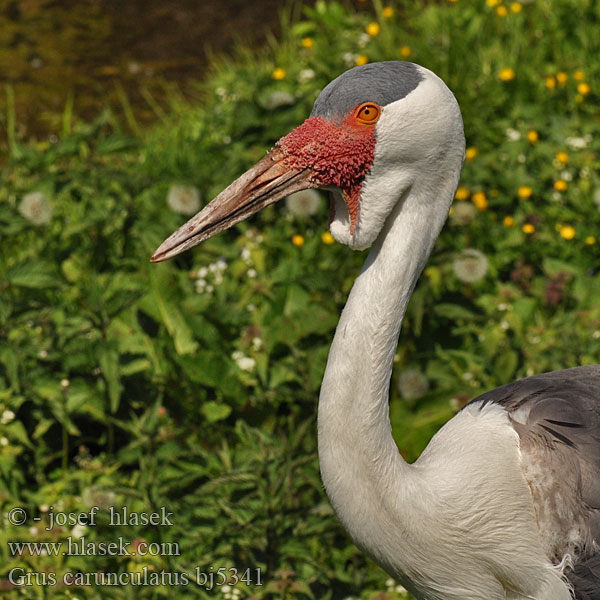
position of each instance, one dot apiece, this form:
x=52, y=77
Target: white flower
x=278, y=98
x=471, y=265
x=566, y=175
x=306, y=75
x=462, y=213
x=7, y=417
x=183, y=199
x=245, y=363
x=256, y=343
x=202, y=272
x=412, y=384
x=44, y=508
x=227, y=139
x=512, y=134
x=251, y=273
x=64, y=383
x=78, y=530
x=521, y=158
x=221, y=263
x=33, y=531
x=245, y=255
x=43, y=353
x=363, y=39
x=349, y=59
x=576, y=142
x=304, y=203
x=35, y=208
x=251, y=307
x=3, y=441
x=200, y=285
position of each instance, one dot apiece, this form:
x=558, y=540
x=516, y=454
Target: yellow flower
x=528, y=228
x=492, y=3
x=479, y=200
x=561, y=77
x=404, y=51
x=560, y=185
x=278, y=73
x=372, y=29
x=387, y=12
x=550, y=83
x=567, y=232
x=297, y=240
x=506, y=74
x=516, y=7
x=361, y=59
x=508, y=221
x=462, y=193
x=327, y=238
x=562, y=157
x=307, y=42
x=532, y=136
x=583, y=88
x=578, y=76
x=590, y=239
x=524, y=191
x=501, y=11
x=470, y=153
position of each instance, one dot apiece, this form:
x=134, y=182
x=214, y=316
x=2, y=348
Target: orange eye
x=367, y=113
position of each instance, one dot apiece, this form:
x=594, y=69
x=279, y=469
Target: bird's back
x=557, y=418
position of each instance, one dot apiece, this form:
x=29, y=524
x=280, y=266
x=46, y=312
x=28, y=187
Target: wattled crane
x=504, y=503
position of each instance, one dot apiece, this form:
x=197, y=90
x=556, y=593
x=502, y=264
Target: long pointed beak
x=268, y=181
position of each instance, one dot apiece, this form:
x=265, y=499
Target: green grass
x=119, y=383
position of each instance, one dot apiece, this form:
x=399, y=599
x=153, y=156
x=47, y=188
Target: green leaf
x=454, y=312
x=505, y=365
x=38, y=274
x=215, y=411
x=109, y=363
x=171, y=316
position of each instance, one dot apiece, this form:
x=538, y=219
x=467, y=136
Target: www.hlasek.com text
x=84, y=547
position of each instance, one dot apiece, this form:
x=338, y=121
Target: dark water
x=88, y=54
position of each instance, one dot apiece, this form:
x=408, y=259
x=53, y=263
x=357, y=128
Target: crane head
x=374, y=132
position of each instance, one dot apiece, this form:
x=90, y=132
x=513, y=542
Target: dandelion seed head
x=412, y=384
x=304, y=203
x=183, y=199
x=35, y=207
x=470, y=265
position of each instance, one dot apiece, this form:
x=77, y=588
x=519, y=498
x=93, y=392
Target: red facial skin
x=337, y=154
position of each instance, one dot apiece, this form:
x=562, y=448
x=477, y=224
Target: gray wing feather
x=557, y=417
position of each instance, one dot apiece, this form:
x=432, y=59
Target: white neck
x=360, y=463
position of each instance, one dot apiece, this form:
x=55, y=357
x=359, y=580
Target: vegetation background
x=193, y=384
